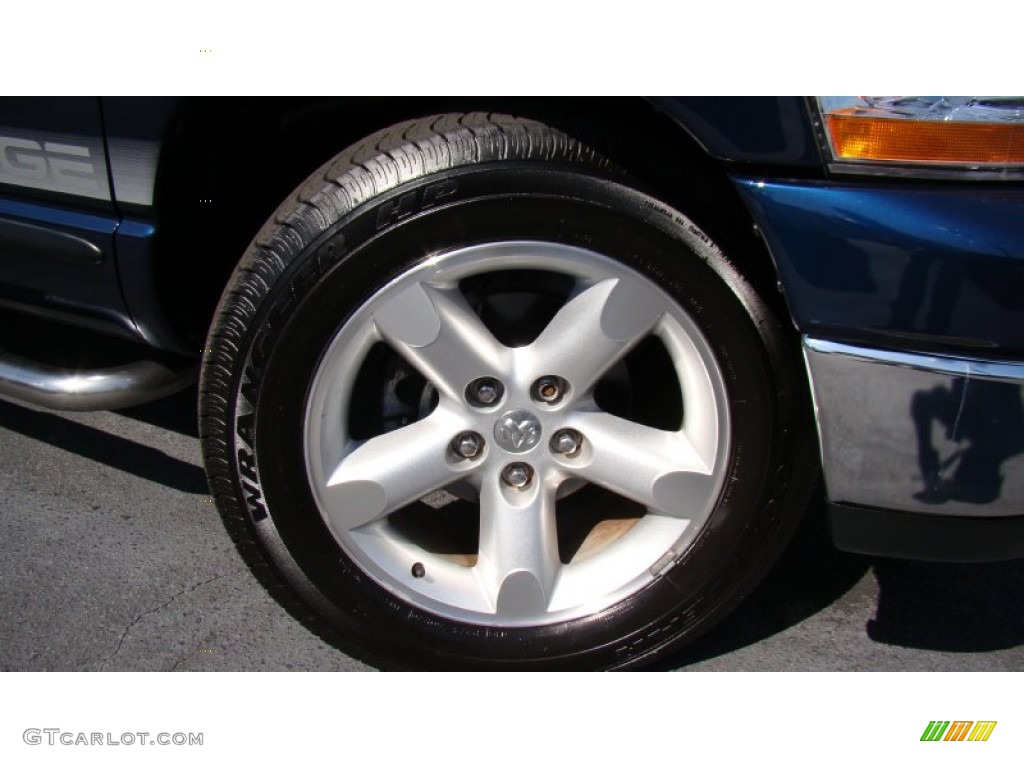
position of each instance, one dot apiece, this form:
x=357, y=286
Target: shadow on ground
x=95, y=444
x=949, y=607
x=176, y=413
x=959, y=608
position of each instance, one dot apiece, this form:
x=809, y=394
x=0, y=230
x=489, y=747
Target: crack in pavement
x=186, y=657
x=144, y=614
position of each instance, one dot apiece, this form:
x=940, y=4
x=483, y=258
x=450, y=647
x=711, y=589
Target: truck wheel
x=476, y=401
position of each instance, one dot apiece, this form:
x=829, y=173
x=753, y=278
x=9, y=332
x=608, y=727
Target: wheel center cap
x=517, y=431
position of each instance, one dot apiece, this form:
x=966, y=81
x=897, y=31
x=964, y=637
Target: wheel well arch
x=228, y=163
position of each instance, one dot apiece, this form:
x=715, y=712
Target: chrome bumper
x=919, y=433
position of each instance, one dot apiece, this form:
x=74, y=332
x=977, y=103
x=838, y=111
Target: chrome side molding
x=919, y=432
x=1012, y=373
x=90, y=390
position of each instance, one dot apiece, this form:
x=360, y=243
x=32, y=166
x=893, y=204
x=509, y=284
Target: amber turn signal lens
x=917, y=141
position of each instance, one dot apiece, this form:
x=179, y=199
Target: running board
x=100, y=389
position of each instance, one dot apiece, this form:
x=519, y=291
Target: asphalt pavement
x=114, y=558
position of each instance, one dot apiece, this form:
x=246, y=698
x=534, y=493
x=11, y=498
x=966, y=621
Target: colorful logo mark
x=958, y=730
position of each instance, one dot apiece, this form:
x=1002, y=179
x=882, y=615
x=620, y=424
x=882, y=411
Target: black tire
x=376, y=213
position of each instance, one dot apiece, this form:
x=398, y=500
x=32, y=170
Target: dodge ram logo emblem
x=517, y=431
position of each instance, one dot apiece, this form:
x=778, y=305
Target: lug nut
x=487, y=393
x=468, y=445
x=484, y=391
x=567, y=442
x=517, y=475
x=549, y=389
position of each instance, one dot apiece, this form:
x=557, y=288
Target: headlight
x=923, y=135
